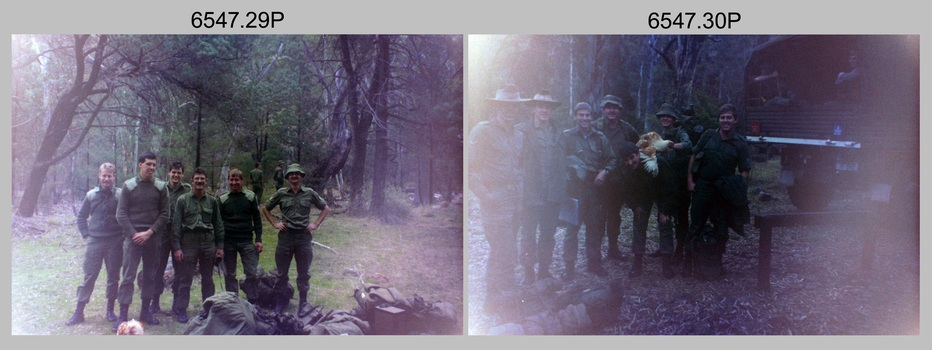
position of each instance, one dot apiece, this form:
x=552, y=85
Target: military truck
x=842, y=111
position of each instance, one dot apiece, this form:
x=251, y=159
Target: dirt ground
x=818, y=285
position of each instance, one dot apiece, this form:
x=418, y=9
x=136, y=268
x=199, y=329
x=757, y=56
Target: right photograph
x=692, y=184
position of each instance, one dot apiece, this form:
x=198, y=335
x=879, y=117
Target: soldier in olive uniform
x=197, y=239
x=239, y=209
x=494, y=177
x=104, y=242
x=716, y=155
x=142, y=214
x=279, y=175
x=592, y=158
x=257, y=180
x=176, y=188
x=646, y=189
x=544, y=168
x=295, y=231
x=678, y=159
x=616, y=194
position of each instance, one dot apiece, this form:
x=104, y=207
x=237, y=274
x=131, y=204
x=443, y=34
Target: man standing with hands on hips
x=295, y=231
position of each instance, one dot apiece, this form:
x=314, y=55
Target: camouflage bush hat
x=543, y=98
x=667, y=109
x=611, y=99
x=507, y=94
x=294, y=168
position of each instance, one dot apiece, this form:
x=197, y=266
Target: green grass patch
x=423, y=255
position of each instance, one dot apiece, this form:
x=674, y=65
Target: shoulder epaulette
x=250, y=195
x=130, y=184
x=159, y=184
x=91, y=194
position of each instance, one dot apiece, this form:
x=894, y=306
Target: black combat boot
x=112, y=317
x=181, y=315
x=636, y=266
x=155, y=308
x=678, y=251
x=124, y=314
x=614, y=253
x=145, y=315
x=688, y=264
x=302, y=300
x=667, y=266
x=78, y=316
x=569, y=272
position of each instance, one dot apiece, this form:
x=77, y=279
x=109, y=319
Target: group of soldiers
x=152, y=220
x=529, y=175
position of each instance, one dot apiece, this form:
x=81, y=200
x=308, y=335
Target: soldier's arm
x=271, y=203
x=477, y=158
x=122, y=213
x=683, y=141
x=218, y=227
x=690, y=185
x=320, y=218
x=256, y=219
x=83, y=214
x=159, y=224
x=176, y=225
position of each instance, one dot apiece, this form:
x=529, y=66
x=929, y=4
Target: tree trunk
x=361, y=123
x=381, y=77
x=61, y=120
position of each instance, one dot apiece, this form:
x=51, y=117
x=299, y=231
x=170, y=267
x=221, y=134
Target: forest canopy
x=387, y=109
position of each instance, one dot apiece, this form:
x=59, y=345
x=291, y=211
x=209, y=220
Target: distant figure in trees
x=197, y=239
x=544, y=169
x=494, y=177
x=142, y=214
x=257, y=180
x=279, y=175
x=98, y=226
x=295, y=231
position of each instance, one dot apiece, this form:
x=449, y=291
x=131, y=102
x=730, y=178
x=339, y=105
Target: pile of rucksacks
x=380, y=310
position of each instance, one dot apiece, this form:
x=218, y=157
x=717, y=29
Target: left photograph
x=237, y=185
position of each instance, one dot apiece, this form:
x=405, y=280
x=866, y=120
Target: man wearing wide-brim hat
x=494, y=150
x=295, y=231
x=615, y=196
x=544, y=186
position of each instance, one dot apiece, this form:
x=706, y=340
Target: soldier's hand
x=310, y=228
x=179, y=255
x=661, y=218
x=219, y=253
x=600, y=179
x=140, y=238
x=259, y=247
x=279, y=226
x=691, y=186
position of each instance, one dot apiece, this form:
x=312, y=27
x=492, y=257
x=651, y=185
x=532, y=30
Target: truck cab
x=842, y=110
